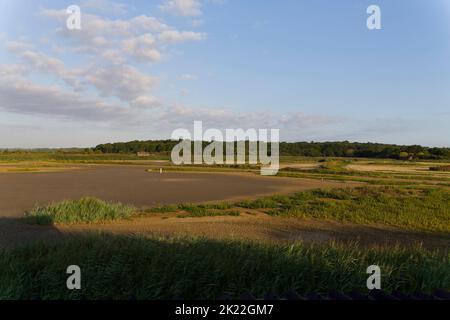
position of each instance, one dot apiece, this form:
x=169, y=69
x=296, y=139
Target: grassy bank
x=409, y=208
x=114, y=267
x=92, y=210
x=85, y=210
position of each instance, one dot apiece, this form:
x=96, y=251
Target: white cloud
x=111, y=46
x=118, y=80
x=22, y=96
x=182, y=116
x=96, y=25
x=142, y=48
x=122, y=81
x=145, y=102
x=174, y=36
x=12, y=71
x=26, y=97
x=186, y=8
x=141, y=38
x=113, y=56
x=45, y=64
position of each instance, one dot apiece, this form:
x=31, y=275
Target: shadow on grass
x=15, y=232
x=115, y=267
x=365, y=235
x=42, y=220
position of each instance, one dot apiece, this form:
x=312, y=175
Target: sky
x=138, y=70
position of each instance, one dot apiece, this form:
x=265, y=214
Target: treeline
x=365, y=150
x=307, y=149
x=151, y=146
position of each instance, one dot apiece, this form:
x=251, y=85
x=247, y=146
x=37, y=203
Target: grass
x=162, y=209
x=417, y=209
x=193, y=210
x=74, y=157
x=210, y=213
x=157, y=268
x=262, y=203
x=85, y=210
x=92, y=210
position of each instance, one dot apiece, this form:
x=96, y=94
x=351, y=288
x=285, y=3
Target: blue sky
x=140, y=69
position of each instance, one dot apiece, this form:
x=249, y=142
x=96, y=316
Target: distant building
x=143, y=154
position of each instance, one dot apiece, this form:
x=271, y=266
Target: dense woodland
x=308, y=149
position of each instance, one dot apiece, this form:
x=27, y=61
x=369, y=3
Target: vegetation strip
x=407, y=208
x=412, y=209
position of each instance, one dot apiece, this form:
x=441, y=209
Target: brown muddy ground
x=20, y=192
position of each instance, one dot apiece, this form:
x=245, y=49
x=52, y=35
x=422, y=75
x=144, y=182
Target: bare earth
x=389, y=168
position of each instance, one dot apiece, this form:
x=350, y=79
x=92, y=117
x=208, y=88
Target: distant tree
x=349, y=152
x=403, y=155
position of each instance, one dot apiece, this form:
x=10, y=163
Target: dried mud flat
x=20, y=192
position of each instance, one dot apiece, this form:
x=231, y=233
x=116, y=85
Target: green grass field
x=74, y=157
x=156, y=268
x=407, y=208
x=415, y=209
